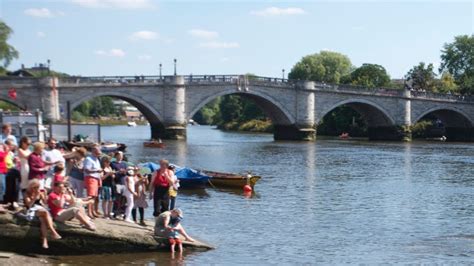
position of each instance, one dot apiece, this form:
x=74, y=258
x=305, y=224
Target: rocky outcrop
x=111, y=236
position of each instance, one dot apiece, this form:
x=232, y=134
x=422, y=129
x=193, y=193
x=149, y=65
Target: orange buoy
x=247, y=188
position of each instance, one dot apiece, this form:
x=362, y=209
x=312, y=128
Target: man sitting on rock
x=57, y=200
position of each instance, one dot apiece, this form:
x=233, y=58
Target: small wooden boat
x=191, y=179
x=154, y=144
x=229, y=180
x=442, y=139
x=344, y=136
x=105, y=147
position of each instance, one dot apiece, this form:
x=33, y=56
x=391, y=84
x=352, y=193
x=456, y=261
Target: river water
x=327, y=202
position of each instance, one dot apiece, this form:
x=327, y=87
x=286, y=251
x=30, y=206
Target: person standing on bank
x=92, y=180
x=7, y=134
x=23, y=153
x=159, y=188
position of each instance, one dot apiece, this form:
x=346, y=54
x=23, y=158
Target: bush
x=255, y=125
x=420, y=129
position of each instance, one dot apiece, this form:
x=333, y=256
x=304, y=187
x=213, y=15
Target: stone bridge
x=295, y=107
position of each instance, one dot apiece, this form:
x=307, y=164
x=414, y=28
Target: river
x=327, y=202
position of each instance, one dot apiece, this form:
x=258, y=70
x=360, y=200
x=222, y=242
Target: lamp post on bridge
x=161, y=65
x=174, y=60
x=283, y=73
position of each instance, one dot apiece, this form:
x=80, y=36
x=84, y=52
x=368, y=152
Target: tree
x=325, y=66
x=457, y=58
x=7, y=52
x=369, y=75
x=447, y=84
x=422, y=77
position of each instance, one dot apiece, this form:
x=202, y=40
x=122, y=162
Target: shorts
x=175, y=241
x=92, y=186
x=31, y=212
x=66, y=215
x=107, y=194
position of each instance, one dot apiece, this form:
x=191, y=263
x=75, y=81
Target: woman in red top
x=3, y=169
x=159, y=188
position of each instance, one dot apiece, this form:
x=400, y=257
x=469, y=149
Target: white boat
x=131, y=124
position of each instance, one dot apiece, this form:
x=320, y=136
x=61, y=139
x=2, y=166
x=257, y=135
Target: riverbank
x=107, y=121
x=254, y=125
x=111, y=236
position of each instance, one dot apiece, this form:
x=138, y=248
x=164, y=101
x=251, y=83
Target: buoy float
x=247, y=188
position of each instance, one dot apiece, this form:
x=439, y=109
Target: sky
x=132, y=37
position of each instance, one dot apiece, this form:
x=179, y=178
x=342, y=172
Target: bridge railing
x=359, y=89
x=113, y=80
x=442, y=96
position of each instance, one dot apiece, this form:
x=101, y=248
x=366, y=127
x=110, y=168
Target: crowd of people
x=52, y=185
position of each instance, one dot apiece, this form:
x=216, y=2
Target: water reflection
x=329, y=202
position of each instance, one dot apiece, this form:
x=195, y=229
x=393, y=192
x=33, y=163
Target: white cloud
x=144, y=35
x=216, y=45
x=39, y=12
x=224, y=59
x=119, y=4
x=43, y=13
x=277, y=11
x=204, y=34
x=115, y=52
x=40, y=34
x=144, y=57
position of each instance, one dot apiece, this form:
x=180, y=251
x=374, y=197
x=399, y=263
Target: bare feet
x=90, y=226
x=45, y=243
x=56, y=237
x=190, y=239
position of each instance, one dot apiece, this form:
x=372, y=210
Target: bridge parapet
x=442, y=96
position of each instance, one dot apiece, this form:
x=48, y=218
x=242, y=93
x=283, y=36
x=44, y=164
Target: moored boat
x=154, y=144
x=131, y=124
x=230, y=180
x=105, y=147
x=190, y=178
x=344, y=135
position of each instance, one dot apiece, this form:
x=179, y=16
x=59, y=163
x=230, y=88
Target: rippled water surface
x=326, y=202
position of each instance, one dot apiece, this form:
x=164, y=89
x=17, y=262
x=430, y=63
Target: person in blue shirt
x=7, y=134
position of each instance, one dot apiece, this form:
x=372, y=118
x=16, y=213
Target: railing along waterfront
x=243, y=80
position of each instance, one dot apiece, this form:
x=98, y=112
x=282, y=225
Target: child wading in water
x=174, y=233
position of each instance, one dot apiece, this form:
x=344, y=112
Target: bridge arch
x=451, y=117
x=150, y=113
x=373, y=113
x=279, y=114
x=14, y=103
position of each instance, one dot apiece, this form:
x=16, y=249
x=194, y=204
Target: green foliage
x=422, y=77
x=50, y=73
x=234, y=112
x=7, y=52
x=420, y=129
x=78, y=116
x=209, y=114
x=368, y=75
x=256, y=125
x=6, y=106
x=341, y=120
x=447, y=84
x=99, y=106
x=457, y=58
x=325, y=66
